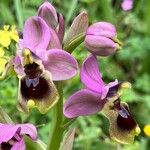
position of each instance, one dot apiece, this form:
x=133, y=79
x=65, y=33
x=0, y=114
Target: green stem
x=107, y=10
x=57, y=131
x=19, y=14
x=72, y=8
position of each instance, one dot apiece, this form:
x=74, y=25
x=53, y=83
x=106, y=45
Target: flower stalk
x=57, y=130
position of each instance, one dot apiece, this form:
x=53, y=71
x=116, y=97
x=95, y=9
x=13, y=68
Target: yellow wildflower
x=5, y=38
x=6, y=27
x=1, y=52
x=7, y=34
x=14, y=34
x=3, y=62
x=147, y=130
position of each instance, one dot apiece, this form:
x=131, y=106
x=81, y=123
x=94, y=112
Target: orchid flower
x=11, y=136
x=41, y=66
x=95, y=92
x=98, y=96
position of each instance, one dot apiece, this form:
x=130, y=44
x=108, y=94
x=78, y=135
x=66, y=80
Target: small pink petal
x=18, y=67
x=108, y=88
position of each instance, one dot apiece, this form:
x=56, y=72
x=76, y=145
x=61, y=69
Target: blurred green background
x=132, y=63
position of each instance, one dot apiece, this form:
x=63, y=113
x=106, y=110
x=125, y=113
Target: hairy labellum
x=33, y=85
x=124, y=120
x=37, y=89
x=123, y=128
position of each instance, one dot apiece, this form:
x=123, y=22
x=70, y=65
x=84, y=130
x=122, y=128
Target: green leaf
x=71, y=10
x=19, y=14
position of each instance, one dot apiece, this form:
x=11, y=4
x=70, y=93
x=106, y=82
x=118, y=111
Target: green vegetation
x=131, y=63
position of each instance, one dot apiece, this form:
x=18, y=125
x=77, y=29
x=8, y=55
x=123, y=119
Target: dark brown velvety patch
x=125, y=120
x=5, y=146
x=32, y=70
x=37, y=88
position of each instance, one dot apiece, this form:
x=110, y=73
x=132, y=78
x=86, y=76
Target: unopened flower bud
x=101, y=39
